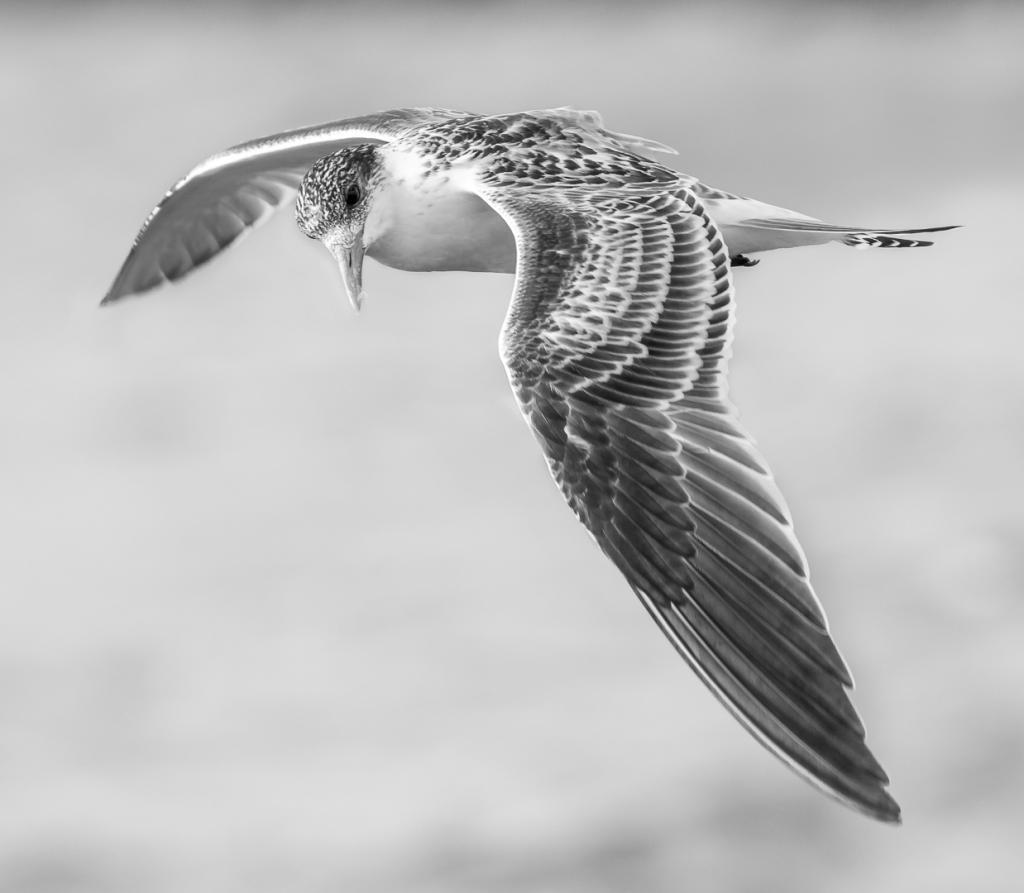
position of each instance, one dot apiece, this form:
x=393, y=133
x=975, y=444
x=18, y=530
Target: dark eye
x=353, y=194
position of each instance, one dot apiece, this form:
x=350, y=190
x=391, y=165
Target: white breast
x=424, y=223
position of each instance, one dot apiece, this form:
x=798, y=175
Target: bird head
x=332, y=207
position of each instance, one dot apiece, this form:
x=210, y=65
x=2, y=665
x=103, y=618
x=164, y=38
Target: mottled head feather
x=333, y=192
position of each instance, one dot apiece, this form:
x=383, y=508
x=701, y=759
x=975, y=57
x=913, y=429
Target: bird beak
x=350, y=262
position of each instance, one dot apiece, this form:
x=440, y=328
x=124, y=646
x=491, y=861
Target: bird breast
x=429, y=224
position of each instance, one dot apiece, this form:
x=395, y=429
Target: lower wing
x=615, y=344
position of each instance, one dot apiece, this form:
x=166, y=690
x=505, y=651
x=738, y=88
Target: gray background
x=289, y=600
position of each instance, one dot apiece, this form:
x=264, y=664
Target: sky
x=290, y=600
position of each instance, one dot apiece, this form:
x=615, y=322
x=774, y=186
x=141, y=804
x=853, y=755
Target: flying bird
x=615, y=343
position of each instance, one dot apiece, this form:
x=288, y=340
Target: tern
x=615, y=343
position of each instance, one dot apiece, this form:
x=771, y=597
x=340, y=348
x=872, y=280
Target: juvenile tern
x=615, y=343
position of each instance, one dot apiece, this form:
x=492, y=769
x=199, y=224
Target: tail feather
x=855, y=236
x=749, y=226
x=879, y=240
x=816, y=226
x=747, y=235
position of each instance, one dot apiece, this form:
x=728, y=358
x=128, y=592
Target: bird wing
x=615, y=343
x=234, y=191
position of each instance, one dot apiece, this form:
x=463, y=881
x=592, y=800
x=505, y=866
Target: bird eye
x=353, y=194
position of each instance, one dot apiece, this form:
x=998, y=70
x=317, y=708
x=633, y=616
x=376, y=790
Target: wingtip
x=871, y=800
x=120, y=288
x=870, y=797
x=117, y=293
x=130, y=283
x=887, y=811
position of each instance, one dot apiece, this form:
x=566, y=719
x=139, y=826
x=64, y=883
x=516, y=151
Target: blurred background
x=290, y=602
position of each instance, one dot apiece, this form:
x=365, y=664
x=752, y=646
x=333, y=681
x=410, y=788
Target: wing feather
x=616, y=343
x=234, y=191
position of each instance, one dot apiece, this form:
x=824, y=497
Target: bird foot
x=741, y=260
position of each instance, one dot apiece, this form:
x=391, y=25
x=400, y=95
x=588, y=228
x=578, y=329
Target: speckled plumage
x=616, y=343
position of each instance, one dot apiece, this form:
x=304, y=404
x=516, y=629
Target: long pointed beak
x=350, y=262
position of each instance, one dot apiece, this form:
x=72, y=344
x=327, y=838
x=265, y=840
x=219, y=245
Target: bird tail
x=749, y=234
x=749, y=225
x=855, y=236
x=884, y=239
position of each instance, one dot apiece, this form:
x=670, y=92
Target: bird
x=615, y=343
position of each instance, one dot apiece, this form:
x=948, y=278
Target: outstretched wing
x=235, y=190
x=616, y=343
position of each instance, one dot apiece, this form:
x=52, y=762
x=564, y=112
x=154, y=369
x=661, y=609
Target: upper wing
x=616, y=343
x=235, y=190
